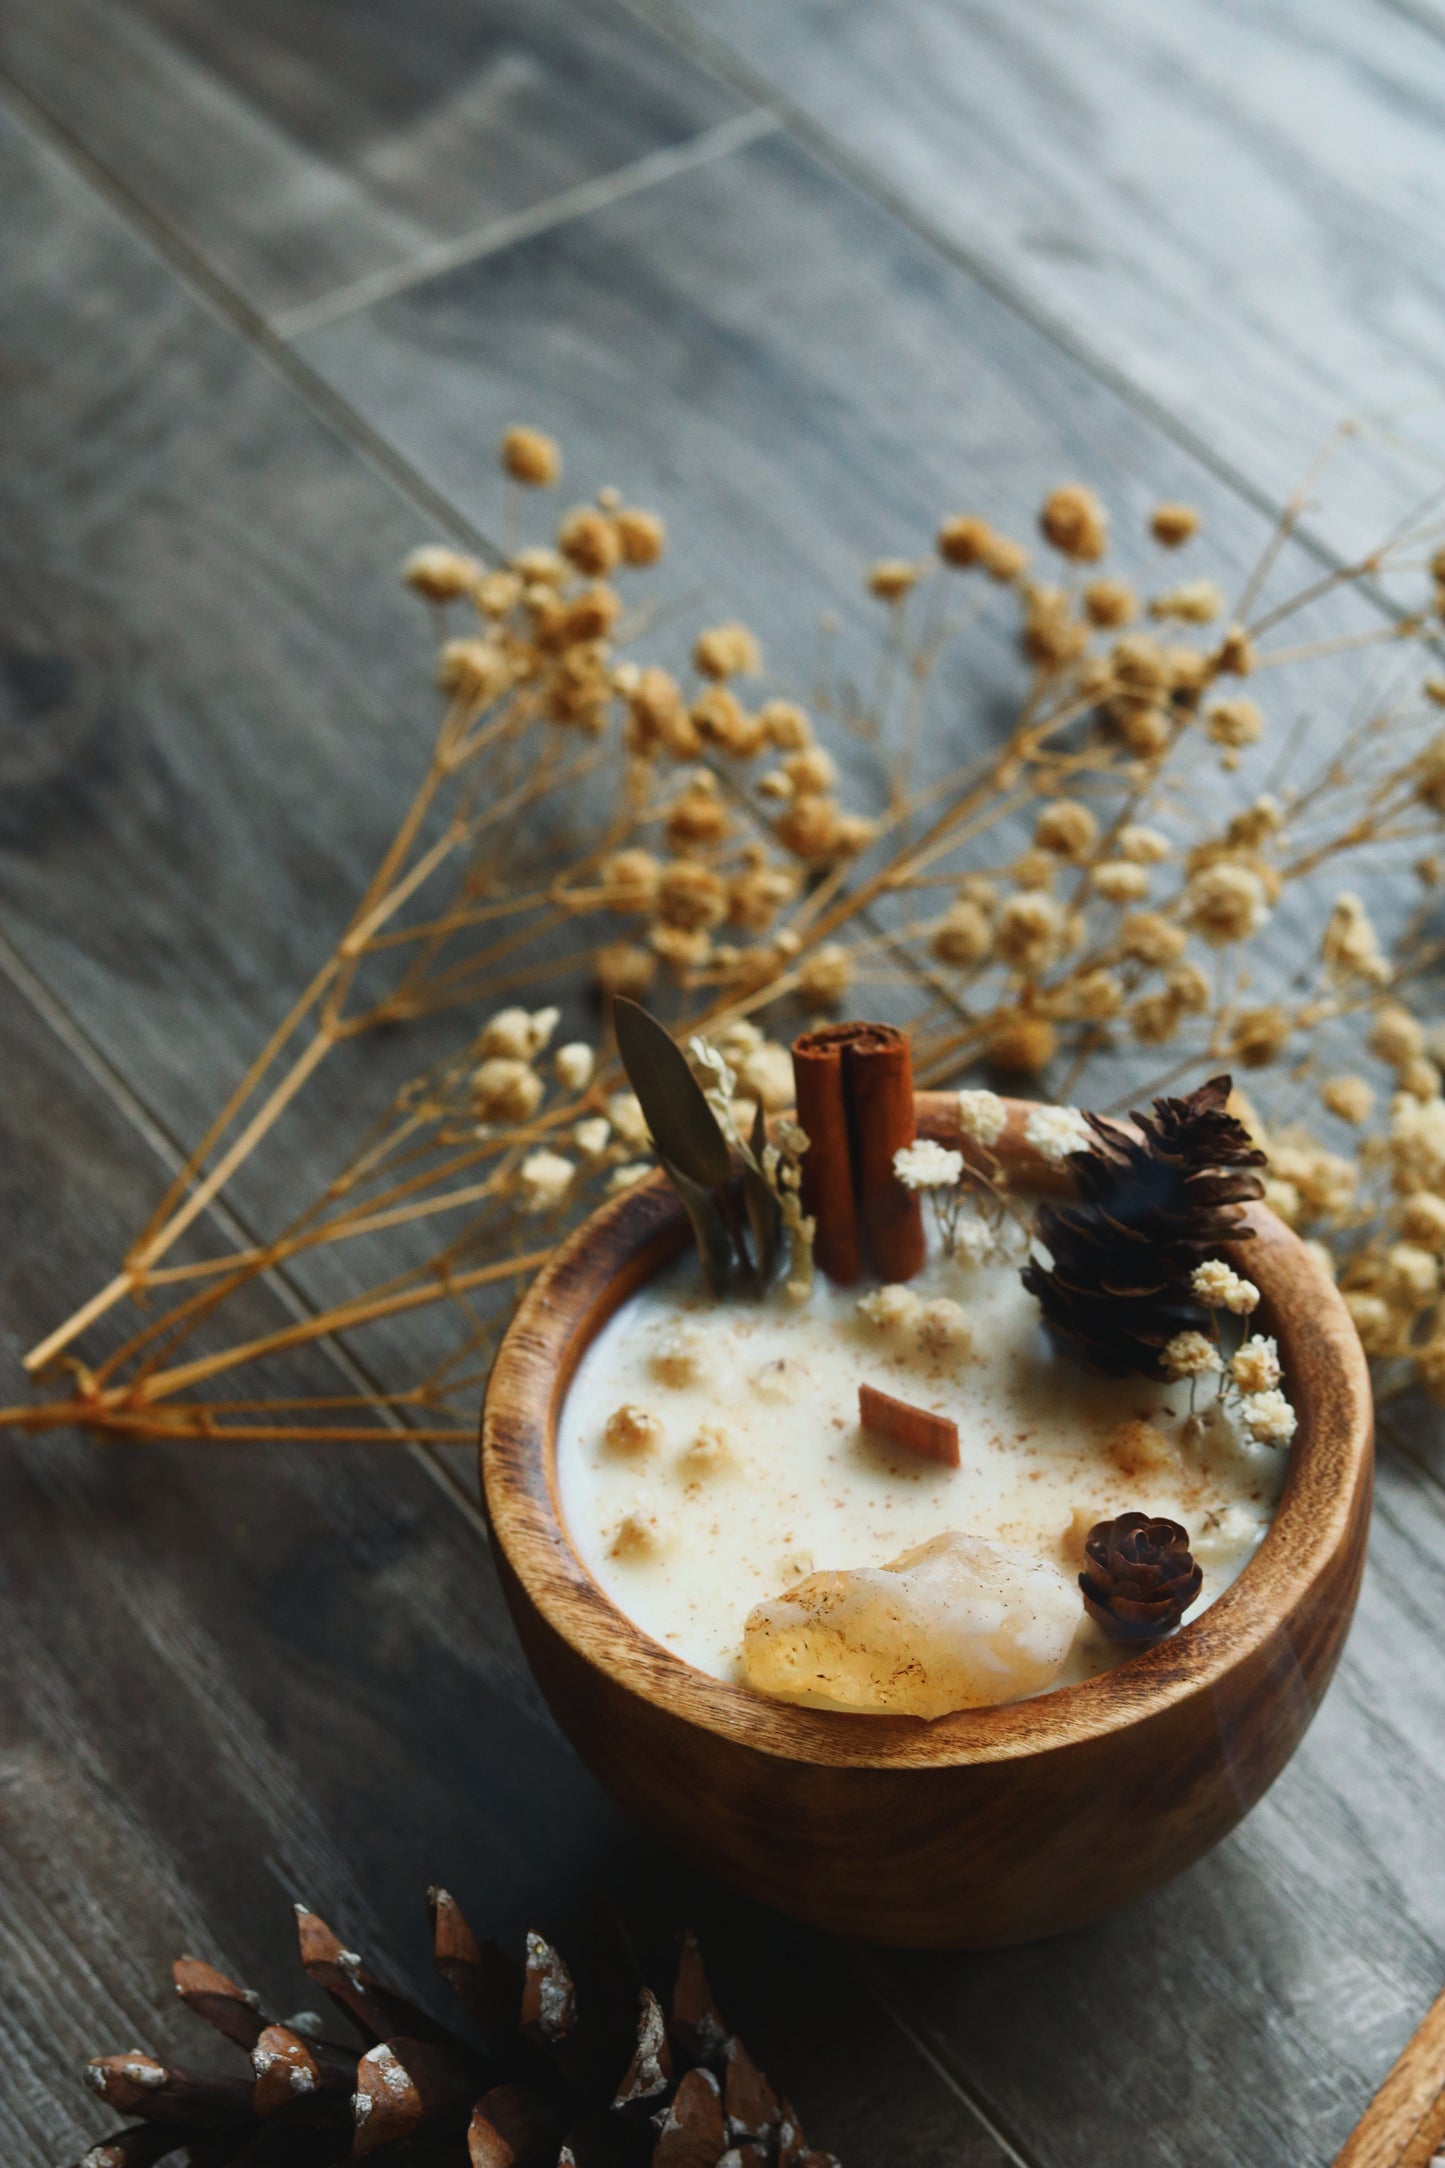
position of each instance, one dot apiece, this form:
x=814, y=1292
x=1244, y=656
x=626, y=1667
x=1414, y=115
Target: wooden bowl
x=993, y=1825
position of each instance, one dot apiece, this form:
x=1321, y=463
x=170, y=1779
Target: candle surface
x=709, y=1453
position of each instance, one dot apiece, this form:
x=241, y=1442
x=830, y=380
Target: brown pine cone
x=1148, y=1209
x=1140, y=1578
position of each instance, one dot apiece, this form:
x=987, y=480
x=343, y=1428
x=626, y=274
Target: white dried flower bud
x=1189, y=1355
x=1219, y=1287
x=574, y=1064
x=943, y=1328
x=982, y=1116
x=1255, y=1367
x=505, y=1090
x=1269, y=1417
x=624, y=1111
x=890, y=1308
x=927, y=1165
x=1054, y=1132
x=543, y=1180
x=592, y=1135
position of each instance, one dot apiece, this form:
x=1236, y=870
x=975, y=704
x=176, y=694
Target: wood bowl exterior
x=993, y=1825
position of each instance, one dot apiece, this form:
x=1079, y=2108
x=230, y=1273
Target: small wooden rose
x=1139, y=1577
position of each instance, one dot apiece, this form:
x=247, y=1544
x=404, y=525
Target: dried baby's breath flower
x=1034, y=868
x=1283, y=1199
x=756, y=896
x=1172, y=524
x=543, y=1180
x=440, y=575
x=1259, y=1036
x=1189, y=989
x=505, y=1090
x=1093, y=997
x=1151, y=939
x=589, y=540
x=963, y=936
x=1234, y=656
x=964, y=541
x=629, y=880
x=574, y=1064
x=641, y=536
x=690, y=895
x=1022, y=1044
x=1226, y=903
x=592, y=1135
x=1373, y=1320
x=1120, y=881
x=856, y=832
x=825, y=976
x=1234, y=723
x=974, y=1241
x=660, y=716
x=1189, y=1355
x=1350, y=1098
x=1146, y=846
x=698, y=814
x=1054, y=1132
x=1412, y=1274
x=1195, y=602
x=1269, y=1417
x=982, y=1116
x=473, y=670
x=927, y=1165
x=785, y=725
x=1351, y=947
x=625, y=1177
x=1220, y=1287
x=530, y=457
x=809, y=828
x=892, y=578
x=1396, y=1036
x=1255, y=1366
x=624, y=1111
x=720, y=719
x=1110, y=603
x=1030, y=932
x=633, y=1429
x=1050, y=634
x=1075, y=523
x=727, y=651
x=515, y=1033
x=1154, y=1019
x=1067, y=828
x=810, y=770
x=1422, y=1219
x=497, y=594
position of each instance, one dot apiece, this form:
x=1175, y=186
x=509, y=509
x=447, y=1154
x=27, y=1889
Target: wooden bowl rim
x=630, y=1237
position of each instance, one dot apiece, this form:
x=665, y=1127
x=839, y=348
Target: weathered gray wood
x=233, y=1679
x=1234, y=209
x=299, y=149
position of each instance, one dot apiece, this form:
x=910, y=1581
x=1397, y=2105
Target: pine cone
x=1149, y=1209
x=534, y=2089
x=1140, y=1578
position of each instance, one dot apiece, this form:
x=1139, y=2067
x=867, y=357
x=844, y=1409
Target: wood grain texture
x=991, y=1825
x=1404, y=2125
x=233, y=1679
x=299, y=149
x=1233, y=209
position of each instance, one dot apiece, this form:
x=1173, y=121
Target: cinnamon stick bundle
x=854, y=1085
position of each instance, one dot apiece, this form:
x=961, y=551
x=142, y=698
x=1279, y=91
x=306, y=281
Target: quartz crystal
x=953, y=1623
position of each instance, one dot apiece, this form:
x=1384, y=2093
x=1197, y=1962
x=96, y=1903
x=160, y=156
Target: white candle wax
x=741, y=1465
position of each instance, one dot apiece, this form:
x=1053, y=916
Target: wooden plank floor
x=273, y=279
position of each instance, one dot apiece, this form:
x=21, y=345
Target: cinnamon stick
x=854, y=1085
x=916, y=1430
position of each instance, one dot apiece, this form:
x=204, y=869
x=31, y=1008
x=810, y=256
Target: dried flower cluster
x=1110, y=886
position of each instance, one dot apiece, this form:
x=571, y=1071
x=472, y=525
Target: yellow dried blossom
x=1412, y=1275
x=1422, y=1219
x=1374, y=1321
x=1066, y=828
x=1144, y=845
x=720, y=719
x=1139, y=664
x=727, y=651
x=698, y=814
x=1226, y=902
x=1050, y=634
x=660, y=717
x=1154, y=1019
x=809, y=828
x=892, y=578
x=641, y=536
x=505, y=1090
x=1349, y=1097
x=1255, y=823
x=1003, y=559
x=589, y=540
x=964, y=541
x=440, y=575
x=1189, y=989
x=517, y=1033
x=1030, y=932
x=690, y=896
x=1234, y=656
x=785, y=725
x=1075, y=523
x=756, y=896
x=855, y=832
x=1259, y=1036
x=539, y=567
x=588, y=616
x=825, y=977
x=473, y=670
x=543, y=1180
x=1233, y=723
x=1351, y=947
x=1150, y=939
x=1022, y=1044
x=497, y=593
x=1172, y=524
x=684, y=949
x=1396, y=1036
x=963, y=935
x=1195, y=602
x=1189, y=1355
x=811, y=771
x=1145, y=729
x=574, y=1064
x=1110, y=603
x=1120, y=881
x=1034, y=868
x=629, y=880
x=623, y=968
x=1092, y=998
x=530, y=457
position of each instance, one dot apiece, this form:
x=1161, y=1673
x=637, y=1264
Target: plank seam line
x=229, y=308
x=731, y=135
x=54, y=1013
x=870, y=183
x=896, y=2010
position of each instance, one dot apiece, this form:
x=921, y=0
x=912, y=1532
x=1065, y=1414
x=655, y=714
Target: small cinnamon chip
x=917, y=1430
